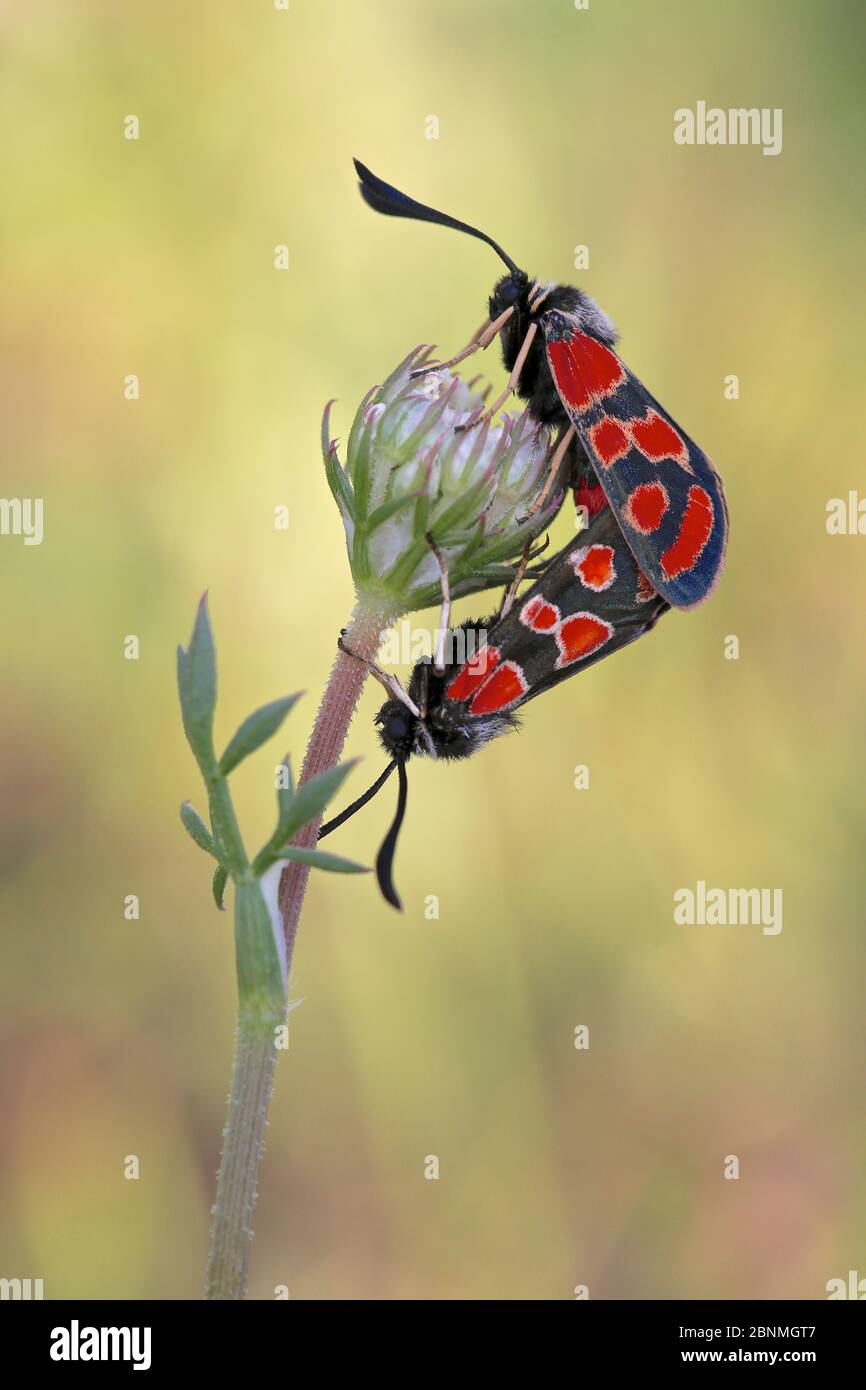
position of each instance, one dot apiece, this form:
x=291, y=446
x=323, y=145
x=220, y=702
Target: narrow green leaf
x=359, y=423
x=362, y=472
x=430, y=417
x=196, y=679
x=399, y=575
x=310, y=799
x=326, y=428
x=337, y=477
x=421, y=518
x=469, y=503
x=220, y=879
x=256, y=729
x=197, y=829
x=387, y=509
x=296, y=808
x=413, y=359
x=341, y=488
x=319, y=859
x=285, y=795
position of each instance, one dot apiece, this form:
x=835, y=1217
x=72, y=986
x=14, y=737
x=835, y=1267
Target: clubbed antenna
x=385, y=857
x=390, y=201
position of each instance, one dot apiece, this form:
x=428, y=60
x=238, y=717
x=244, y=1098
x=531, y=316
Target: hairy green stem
x=326, y=742
x=225, y=822
x=243, y=1140
x=260, y=1014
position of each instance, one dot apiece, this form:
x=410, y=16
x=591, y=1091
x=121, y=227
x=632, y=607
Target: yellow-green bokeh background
x=449, y=1037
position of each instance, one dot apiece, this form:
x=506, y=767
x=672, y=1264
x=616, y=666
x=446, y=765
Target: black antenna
x=385, y=857
x=383, y=198
x=356, y=805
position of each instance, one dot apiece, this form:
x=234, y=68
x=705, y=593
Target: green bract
x=409, y=473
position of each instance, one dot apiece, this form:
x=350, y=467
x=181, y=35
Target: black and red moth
x=656, y=538
x=591, y=600
x=625, y=448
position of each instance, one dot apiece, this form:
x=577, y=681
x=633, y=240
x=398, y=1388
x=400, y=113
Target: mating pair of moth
x=655, y=538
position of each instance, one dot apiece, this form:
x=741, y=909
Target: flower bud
x=411, y=474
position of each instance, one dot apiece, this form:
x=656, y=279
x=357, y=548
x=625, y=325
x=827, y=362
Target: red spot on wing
x=506, y=685
x=470, y=676
x=657, y=439
x=645, y=507
x=584, y=369
x=695, y=530
x=644, y=591
x=581, y=635
x=592, y=498
x=609, y=441
x=538, y=614
x=594, y=566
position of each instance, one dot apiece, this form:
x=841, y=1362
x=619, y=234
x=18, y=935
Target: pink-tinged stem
x=326, y=744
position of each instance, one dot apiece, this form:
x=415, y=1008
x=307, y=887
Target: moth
x=656, y=536
x=626, y=450
x=591, y=600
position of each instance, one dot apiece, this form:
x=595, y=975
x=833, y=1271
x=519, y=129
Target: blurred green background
x=451, y=1037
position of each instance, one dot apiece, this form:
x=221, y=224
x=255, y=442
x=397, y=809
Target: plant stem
x=326, y=743
x=255, y=1050
x=243, y=1139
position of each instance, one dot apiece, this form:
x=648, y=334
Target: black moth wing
x=591, y=600
x=630, y=606
x=667, y=496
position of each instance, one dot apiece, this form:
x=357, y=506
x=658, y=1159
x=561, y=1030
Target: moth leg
x=481, y=338
x=445, y=611
x=552, y=472
x=538, y=294
x=513, y=380
x=425, y=682
x=511, y=592
x=472, y=346
x=391, y=683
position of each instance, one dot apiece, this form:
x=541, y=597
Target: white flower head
x=412, y=474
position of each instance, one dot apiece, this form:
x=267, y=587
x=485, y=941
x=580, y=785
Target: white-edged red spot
x=657, y=439
x=538, y=614
x=506, y=685
x=610, y=442
x=645, y=507
x=695, y=530
x=593, y=566
x=579, y=636
x=584, y=370
x=473, y=674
